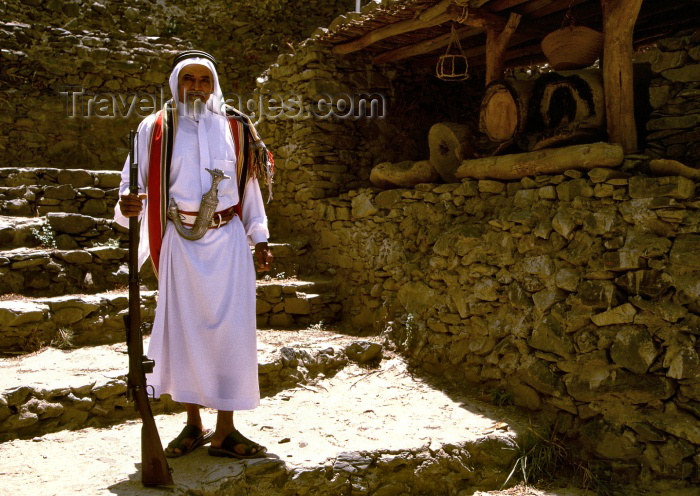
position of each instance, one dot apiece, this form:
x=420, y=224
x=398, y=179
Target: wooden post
x=619, y=17
x=496, y=45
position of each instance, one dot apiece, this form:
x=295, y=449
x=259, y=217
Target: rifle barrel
x=154, y=466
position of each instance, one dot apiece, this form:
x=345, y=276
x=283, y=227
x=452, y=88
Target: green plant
x=501, y=397
x=110, y=243
x=543, y=455
x=171, y=27
x=318, y=326
x=63, y=339
x=539, y=457
x=45, y=236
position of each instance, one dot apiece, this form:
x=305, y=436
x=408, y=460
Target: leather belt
x=220, y=218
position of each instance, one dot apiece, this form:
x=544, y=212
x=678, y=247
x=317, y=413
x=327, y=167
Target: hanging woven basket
x=572, y=47
x=453, y=65
x=452, y=68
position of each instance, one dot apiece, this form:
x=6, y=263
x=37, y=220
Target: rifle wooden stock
x=154, y=466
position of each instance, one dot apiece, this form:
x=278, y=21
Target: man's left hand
x=263, y=257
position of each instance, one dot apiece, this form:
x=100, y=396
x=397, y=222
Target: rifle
x=154, y=467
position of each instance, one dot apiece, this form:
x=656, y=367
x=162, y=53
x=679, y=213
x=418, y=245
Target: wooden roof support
x=389, y=31
x=498, y=5
x=452, y=12
x=476, y=18
x=496, y=45
x=434, y=11
x=424, y=47
x=619, y=17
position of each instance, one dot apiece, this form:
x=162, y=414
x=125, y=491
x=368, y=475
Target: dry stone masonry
x=674, y=95
x=575, y=294
x=60, y=54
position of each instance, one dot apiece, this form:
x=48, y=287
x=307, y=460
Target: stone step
x=19, y=231
x=47, y=176
x=292, y=303
x=26, y=324
x=70, y=231
x=48, y=272
x=66, y=389
x=360, y=431
x=33, y=200
x=65, y=230
x=33, y=271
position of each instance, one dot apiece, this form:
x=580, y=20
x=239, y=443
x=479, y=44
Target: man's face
x=195, y=82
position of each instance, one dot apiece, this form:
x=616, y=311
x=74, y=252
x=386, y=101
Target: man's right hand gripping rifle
x=131, y=204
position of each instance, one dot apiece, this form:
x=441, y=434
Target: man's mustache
x=200, y=94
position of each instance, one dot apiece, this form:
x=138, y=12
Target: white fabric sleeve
x=143, y=138
x=254, y=218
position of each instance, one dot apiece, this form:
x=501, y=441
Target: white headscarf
x=216, y=99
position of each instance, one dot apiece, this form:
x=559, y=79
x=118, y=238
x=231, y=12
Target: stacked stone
x=90, y=320
x=574, y=293
x=78, y=64
x=28, y=192
x=325, y=143
x=674, y=94
x=291, y=305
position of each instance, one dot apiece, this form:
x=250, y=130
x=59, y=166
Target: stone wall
x=571, y=295
x=321, y=150
x=57, y=55
x=674, y=95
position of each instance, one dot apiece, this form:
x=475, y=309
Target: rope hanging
x=453, y=66
x=465, y=10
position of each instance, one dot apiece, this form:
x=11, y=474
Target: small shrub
x=45, y=236
x=63, y=339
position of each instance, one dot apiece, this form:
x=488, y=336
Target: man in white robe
x=204, y=337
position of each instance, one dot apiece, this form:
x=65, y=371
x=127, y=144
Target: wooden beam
x=619, y=17
x=556, y=6
x=532, y=6
x=476, y=18
x=477, y=3
x=424, y=47
x=434, y=11
x=498, y=5
x=666, y=167
x=550, y=161
x=496, y=45
x=389, y=31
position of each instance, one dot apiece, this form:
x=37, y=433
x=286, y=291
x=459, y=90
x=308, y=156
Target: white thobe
x=203, y=339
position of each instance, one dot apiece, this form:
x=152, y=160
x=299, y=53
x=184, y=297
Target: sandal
x=251, y=449
x=197, y=436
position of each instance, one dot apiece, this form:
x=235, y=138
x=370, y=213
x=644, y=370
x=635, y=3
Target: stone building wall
x=574, y=295
x=674, y=93
x=322, y=151
x=56, y=55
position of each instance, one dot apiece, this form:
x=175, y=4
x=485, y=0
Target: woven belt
x=220, y=219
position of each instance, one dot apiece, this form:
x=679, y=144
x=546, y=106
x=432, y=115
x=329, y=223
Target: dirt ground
x=356, y=410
